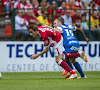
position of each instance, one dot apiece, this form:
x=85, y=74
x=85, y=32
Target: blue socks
x=79, y=69
x=77, y=66
x=70, y=64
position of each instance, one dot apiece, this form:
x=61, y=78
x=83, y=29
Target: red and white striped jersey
x=49, y=36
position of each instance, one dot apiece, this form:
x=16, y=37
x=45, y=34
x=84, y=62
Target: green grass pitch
x=48, y=81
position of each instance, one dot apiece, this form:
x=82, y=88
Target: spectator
x=23, y=2
x=57, y=1
x=18, y=4
x=86, y=28
x=35, y=6
x=1, y=8
x=93, y=5
x=85, y=3
x=35, y=3
x=94, y=20
x=84, y=22
x=67, y=17
x=30, y=17
x=8, y=5
x=90, y=6
x=76, y=19
x=97, y=3
x=62, y=7
x=53, y=6
x=78, y=3
x=70, y=5
x=49, y=19
x=28, y=5
x=43, y=6
x=21, y=25
x=43, y=18
x=57, y=14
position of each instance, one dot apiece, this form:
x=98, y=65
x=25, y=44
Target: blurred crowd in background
x=74, y=12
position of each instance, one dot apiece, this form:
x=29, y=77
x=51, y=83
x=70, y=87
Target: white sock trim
x=64, y=57
x=60, y=62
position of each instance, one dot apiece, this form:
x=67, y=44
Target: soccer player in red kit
x=51, y=38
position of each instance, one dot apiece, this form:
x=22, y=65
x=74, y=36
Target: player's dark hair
x=61, y=20
x=33, y=27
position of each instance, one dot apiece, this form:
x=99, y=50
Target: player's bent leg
x=71, y=55
x=78, y=67
x=66, y=67
x=58, y=58
x=69, y=64
x=83, y=56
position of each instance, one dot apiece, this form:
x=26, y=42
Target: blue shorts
x=71, y=47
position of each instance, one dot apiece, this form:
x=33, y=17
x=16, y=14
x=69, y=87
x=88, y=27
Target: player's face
x=55, y=24
x=32, y=33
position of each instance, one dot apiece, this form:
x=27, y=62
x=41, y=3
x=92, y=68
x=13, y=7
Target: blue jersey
x=70, y=42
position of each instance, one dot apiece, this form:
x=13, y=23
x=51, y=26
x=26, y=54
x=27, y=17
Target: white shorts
x=58, y=48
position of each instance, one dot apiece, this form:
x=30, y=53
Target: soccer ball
x=0, y=75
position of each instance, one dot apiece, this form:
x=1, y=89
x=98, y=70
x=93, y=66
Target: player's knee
x=73, y=61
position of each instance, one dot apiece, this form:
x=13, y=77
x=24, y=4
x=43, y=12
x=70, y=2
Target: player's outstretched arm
x=86, y=39
x=34, y=56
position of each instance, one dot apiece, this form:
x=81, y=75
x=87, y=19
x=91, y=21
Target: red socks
x=66, y=67
x=71, y=55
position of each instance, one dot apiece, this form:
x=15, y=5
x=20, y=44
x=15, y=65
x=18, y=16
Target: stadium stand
x=54, y=9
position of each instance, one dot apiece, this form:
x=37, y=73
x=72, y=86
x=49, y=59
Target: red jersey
x=49, y=36
x=77, y=20
x=1, y=8
x=28, y=18
x=97, y=2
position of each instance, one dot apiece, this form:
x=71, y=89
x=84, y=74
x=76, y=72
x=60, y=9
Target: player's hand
x=34, y=56
x=87, y=40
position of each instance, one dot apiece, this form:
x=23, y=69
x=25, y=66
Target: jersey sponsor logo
x=74, y=48
x=72, y=42
x=46, y=29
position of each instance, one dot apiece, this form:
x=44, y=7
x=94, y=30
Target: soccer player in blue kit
x=70, y=43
